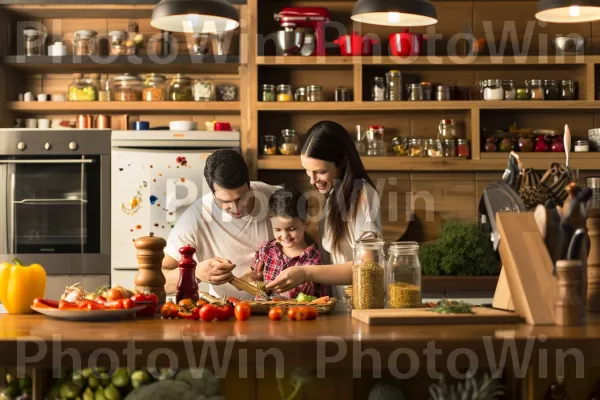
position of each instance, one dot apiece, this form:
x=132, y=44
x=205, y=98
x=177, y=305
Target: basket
x=263, y=307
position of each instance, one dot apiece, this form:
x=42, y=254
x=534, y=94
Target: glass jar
x=567, y=89
x=542, y=144
x=368, y=275
x=269, y=145
x=416, y=148
x=393, y=79
x=522, y=94
x=226, y=93
x=300, y=94
x=85, y=43
x=535, y=90
x=289, y=143
x=378, y=89
x=462, y=148
x=447, y=129
x=34, y=42
x=581, y=146
x=400, y=146
x=403, y=275
x=443, y=93
x=427, y=91
x=284, y=93
x=415, y=92
x=433, y=148
x=551, y=91
x=314, y=93
x=203, y=90
x=104, y=92
x=155, y=88
x=180, y=88
x=493, y=89
x=268, y=93
x=120, y=45
x=375, y=141
x=200, y=44
x=126, y=87
x=343, y=94
x=491, y=145
x=82, y=89
x=510, y=90
x=360, y=141
x=449, y=148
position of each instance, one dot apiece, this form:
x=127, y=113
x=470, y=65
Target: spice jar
x=284, y=93
x=416, y=148
x=368, y=275
x=525, y=144
x=393, y=81
x=360, y=141
x=104, y=92
x=493, y=89
x=567, y=89
x=449, y=148
x=85, y=43
x=551, y=91
x=126, y=87
x=120, y=45
x=427, y=91
x=443, y=93
x=34, y=42
x=403, y=275
x=447, y=129
x=314, y=93
x=582, y=146
x=378, y=89
x=343, y=94
x=535, y=91
x=510, y=91
x=82, y=89
x=226, y=92
x=400, y=146
x=180, y=88
x=462, y=148
x=415, y=92
x=507, y=144
x=375, y=141
x=269, y=146
x=289, y=143
x=522, y=94
x=300, y=94
x=154, y=88
x=490, y=145
x=203, y=90
x=268, y=93
x=433, y=148
x=542, y=144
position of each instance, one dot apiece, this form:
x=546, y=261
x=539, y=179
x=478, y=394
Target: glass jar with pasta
x=126, y=88
x=155, y=88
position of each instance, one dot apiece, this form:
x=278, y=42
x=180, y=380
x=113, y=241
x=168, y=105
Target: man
x=226, y=226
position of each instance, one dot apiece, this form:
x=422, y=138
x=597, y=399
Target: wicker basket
x=263, y=307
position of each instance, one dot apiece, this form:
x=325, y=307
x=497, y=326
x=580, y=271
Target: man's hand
x=288, y=279
x=254, y=274
x=216, y=271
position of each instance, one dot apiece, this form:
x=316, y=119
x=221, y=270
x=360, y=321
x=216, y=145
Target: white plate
x=84, y=315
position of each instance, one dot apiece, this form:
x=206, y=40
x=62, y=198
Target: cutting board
x=423, y=316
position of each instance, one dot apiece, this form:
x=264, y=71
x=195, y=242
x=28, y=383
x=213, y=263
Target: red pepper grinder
x=187, y=287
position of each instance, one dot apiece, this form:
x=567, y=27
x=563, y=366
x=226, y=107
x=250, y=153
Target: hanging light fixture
x=194, y=16
x=395, y=12
x=568, y=11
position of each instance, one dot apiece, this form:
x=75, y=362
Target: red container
x=222, y=126
x=406, y=44
x=355, y=45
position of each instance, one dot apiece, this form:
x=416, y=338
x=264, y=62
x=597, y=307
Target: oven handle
x=45, y=201
x=48, y=161
x=12, y=232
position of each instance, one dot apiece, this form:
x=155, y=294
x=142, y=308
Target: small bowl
x=182, y=125
x=569, y=44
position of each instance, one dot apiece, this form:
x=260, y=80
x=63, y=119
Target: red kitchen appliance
x=405, y=44
x=306, y=17
x=355, y=44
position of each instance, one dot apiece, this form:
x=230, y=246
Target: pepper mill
x=150, y=277
x=569, y=309
x=593, y=273
x=187, y=287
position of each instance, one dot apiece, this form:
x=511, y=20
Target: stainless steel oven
x=55, y=203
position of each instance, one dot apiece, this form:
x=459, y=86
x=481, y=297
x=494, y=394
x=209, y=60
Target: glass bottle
x=289, y=143
x=449, y=148
x=403, y=275
x=368, y=275
x=154, y=88
x=493, y=89
x=34, y=42
x=400, y=146
x=535, y=90
x=375, y=141
x=180, y=88
x=447, y=129
x=126, y=87
x=378, y=89
x=567, y=90
x=269, y=145
x=82, y=89
x=284, y=93
x=300, y=94
x=187, y=287
x=314, y=93
x=551, y=91
x=104, y=93
x=462, y=148
x=268, y=93
x=393, y=88
x=415, y=92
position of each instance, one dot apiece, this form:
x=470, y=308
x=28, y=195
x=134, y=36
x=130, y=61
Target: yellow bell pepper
x=20, y=284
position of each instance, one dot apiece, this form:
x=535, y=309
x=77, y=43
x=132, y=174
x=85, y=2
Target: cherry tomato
x=291, y=313
x=169, y=310
x=301, y=314
x=208, y=312
x=311, y=312
x=275, y=314
x=242, y=311
x=224, y=312
x=187, y=304
x=113, y=294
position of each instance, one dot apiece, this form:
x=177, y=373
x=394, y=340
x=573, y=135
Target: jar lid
x=425, y=83
x=432, y=141
x=31, y=32
x=404, y=245
x=181, y=77
x=376, y=127
x=127, y=77
x=269, y=87
x=447, y=122
x=301, y=90
x=314, y=87
x=416, y=140
x=442, y=88
x=463, y=141
x=497, y=82
x=567, y=82
x=582, y=143
x=150, y=242
x=342, y=89
x=86, y=33
x=117, y=33
x=269, y=137
x=284, y=87
x=508, y=82
x=154, y=75
x=378, y=78
x=288, y=132
x=535, y=82
x=550, y=82
x=415, y=85
x=394, y=72
x=448, y=141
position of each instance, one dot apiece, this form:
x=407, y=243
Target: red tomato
x=242, y=311
x=208, y=312
x=301, y=314
x=127, y=303
x=200, y=303
x=275, y=314
x=224, y=312
x=292, y=313
x=169, y=310
x=311, y=312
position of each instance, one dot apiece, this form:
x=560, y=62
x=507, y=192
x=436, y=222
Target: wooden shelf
x=121, y=107
x=184, y=63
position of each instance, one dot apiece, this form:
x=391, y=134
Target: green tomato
x=99, y=394
x=120, y=378
x=93, y=382
x=112, y=393
x=69, y=390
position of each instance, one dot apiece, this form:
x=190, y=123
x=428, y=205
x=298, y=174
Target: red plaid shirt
x=275, y=262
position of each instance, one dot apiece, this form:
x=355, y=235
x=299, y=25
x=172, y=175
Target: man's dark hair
x=227, y=169
x=287, y=203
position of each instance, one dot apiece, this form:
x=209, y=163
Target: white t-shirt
x=214, y=233
x=368, y=219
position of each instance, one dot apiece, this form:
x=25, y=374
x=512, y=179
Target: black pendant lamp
x=568, y=11
x=395, y=12
x=197, y=16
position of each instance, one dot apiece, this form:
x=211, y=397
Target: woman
x=352, y=206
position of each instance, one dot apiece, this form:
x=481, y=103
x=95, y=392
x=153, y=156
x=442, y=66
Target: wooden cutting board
x=422, y=316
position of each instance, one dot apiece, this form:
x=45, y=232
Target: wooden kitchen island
x=332, y=342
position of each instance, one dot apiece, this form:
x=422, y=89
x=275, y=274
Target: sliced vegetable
x=321, y=300
x=188, y=304
x=150, y=300
x=191, y=315
x=114, y=305
x=65, y=305
x=233, y=300
x=95, y=306
x=169, y=310
x=305, y=298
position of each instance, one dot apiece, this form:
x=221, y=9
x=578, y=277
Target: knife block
x=150, y=254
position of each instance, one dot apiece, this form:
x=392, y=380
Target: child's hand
x=288, y=279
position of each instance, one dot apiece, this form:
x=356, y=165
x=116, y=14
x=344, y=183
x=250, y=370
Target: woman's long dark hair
x=329, y=141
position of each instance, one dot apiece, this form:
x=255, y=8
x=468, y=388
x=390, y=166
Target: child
x=289, y=248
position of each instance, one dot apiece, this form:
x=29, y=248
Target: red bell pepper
x=44, y=303
x=150, y=300
x=191, y=315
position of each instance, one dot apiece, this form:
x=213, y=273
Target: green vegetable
x=112, y=393
x=78, y=379
x=139, y=378
x=69, y=390
x=86, y=372
x=452, y=307
x=385, y=392
x=202, y=381
x=305, y=298
x=486, y=388
x=12, y=390
x=88, y=394
x=93, y=382
x=104, y=379
x=120, y=378
x=99, y=394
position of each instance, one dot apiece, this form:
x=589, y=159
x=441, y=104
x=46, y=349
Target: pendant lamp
x=568, y=11
x=395, y=12
x=194, y=16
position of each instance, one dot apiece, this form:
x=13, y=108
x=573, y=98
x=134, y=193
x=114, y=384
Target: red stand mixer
x=290, y=40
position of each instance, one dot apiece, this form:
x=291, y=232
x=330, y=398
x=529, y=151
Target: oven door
x=50, y=205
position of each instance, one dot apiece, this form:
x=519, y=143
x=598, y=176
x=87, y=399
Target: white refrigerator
x=155, y=176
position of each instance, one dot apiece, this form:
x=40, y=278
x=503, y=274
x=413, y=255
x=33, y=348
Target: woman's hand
x=254, y=274
x=288, y=279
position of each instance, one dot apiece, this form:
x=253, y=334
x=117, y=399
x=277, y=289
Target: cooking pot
x=406, y=44
x=355, y=45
